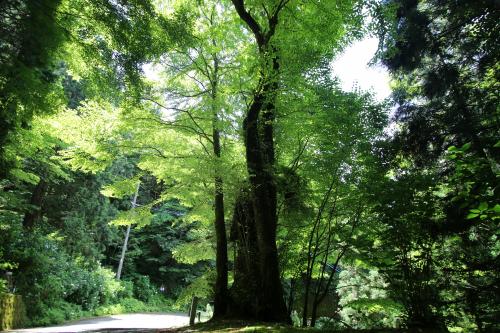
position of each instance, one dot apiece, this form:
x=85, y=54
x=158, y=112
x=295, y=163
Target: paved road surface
x=118, y=323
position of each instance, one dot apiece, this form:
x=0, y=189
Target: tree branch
x=239, y=5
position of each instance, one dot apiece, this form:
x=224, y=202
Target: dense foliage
x=152, y=151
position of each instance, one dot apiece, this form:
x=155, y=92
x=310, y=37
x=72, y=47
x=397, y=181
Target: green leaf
x=120, y=189
x=466, y=146
x=483, y=206
x=496, y=209
x=472, y=215
x=24, y=176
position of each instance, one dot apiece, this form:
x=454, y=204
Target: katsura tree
x=204, y=70
x=282, y=58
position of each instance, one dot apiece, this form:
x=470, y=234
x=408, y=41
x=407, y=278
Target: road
x=118, y=323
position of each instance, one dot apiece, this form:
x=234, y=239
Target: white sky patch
x=351, y=67
x=152, y=71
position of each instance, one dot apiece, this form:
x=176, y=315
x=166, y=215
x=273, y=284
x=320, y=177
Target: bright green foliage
x=99, y=42
x=364, y=300
x=200, y=287
x=328, y=158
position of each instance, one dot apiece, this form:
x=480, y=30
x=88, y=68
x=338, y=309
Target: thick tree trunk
x=220, y=290
x=244, y=291
x=220, y=299
x=36, y=200
x=259, y=143
x=260, y=159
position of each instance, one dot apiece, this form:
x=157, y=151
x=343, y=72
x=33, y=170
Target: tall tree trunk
x=127, y=235
x=259, y=144
x=36, y=200
x=221, y=293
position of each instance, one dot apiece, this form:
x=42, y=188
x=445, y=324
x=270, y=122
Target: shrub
x=58, y=313
x=144, y=290
x=85, y=289
x=127, y=291
x=109, y=287
x=126, y=305
x=364, y=300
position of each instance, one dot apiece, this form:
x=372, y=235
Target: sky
x=351, y=67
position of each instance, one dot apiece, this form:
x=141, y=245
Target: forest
x=159, y=152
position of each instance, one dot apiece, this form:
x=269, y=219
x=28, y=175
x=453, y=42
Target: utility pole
x=127, y=234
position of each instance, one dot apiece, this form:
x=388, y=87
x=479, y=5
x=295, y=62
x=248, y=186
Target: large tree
x=256, y=214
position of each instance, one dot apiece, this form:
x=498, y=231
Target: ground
x=151, y=322
x=177, y=323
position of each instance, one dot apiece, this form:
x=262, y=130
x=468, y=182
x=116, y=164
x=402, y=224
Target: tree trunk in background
x=314, y=313
x=291, y=297
x=220, y=292
x=127, y=234
x=306, y=301
x=220, y=299
x=192, y=310
x=36, y=201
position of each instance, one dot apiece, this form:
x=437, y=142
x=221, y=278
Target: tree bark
x=220, y=290
x=259, y=144
x=305, y=308
x=314, y=313
x=244, y=291
x=36, y=200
